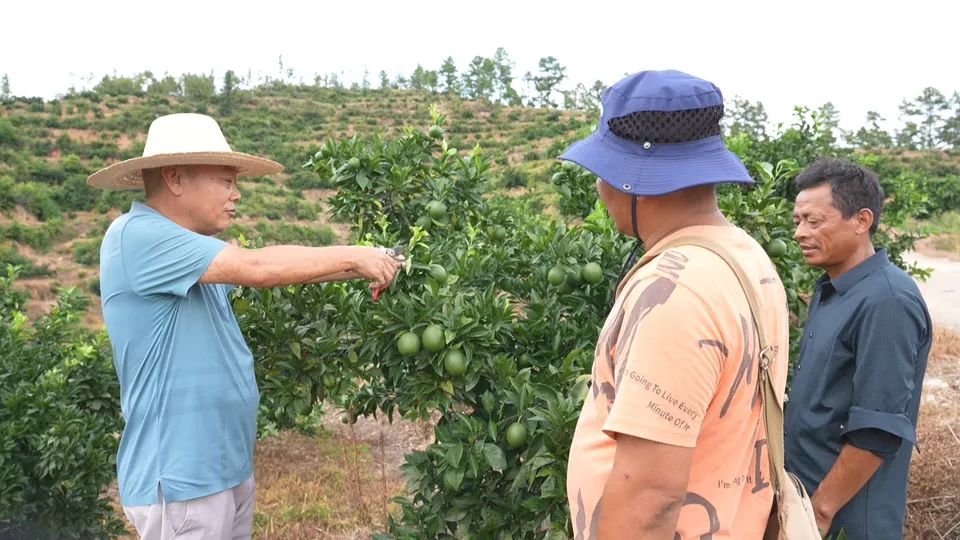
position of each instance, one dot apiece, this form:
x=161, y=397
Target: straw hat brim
x=127, y=174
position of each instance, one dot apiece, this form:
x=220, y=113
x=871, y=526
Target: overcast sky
x=860, y=55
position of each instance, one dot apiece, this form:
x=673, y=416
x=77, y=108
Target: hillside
x=51, y=222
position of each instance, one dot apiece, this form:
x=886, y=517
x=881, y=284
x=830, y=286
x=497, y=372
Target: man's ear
x=865, y=219
x=174, y=179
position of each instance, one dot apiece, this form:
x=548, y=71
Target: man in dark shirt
x=852, y=412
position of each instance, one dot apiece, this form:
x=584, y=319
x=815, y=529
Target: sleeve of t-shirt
x=890, y=333
x=669, y=368
x=161, y=257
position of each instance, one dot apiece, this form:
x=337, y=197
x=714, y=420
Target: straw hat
x=181, y=139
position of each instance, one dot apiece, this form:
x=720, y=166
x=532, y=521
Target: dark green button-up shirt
x=862, y=360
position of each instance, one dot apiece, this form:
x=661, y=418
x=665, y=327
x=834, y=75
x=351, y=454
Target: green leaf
x=453, y=478
x=295, y=349
x=449, y=335
x=447, y=387
x=454, y=453
x=548, y=486
x=495, y=456
x=363, y=181
x=472, y=463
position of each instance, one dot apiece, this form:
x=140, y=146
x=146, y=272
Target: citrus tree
x=59, y=421
x=476, y=328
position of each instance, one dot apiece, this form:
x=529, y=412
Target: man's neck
x=167, y=210
x=863, y=252
x=669, y=222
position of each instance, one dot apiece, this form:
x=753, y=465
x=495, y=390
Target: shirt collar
x=140, y=208
x=853, y=276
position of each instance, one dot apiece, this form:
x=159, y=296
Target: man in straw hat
x=670, y=442
x=187, y=386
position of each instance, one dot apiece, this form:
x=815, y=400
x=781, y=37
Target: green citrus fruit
x=432, y=338
x=776, y=248
x=424, y=222
x=499, y=233
x=517, y=435
x=437, y=209
x=557, y=177
x=455, y=362
x=569, y=165
x=573, y=275
x=438, y=273
x=592, y=273
x=566, y=287
x=436, y=132
x=556, y=276
x=353, y=163
x=408, y=344
x=241, y=306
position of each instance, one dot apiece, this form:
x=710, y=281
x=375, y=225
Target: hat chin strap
x=632, y=258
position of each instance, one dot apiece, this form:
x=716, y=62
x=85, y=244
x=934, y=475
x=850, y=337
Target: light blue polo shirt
x=187, y=386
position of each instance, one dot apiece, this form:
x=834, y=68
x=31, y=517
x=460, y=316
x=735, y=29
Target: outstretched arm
x=289, y=265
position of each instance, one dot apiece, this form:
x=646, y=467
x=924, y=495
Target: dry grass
x=933, y=508
x=318, y=487
x=947, y=243
x=337, y=485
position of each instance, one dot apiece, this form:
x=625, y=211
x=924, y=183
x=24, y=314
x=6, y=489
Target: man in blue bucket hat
x=670, y=442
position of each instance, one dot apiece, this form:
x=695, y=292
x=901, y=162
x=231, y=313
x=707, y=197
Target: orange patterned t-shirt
x=677, y=363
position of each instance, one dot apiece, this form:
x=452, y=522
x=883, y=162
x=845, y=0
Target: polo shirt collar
x=853, y=276
x=140, y=208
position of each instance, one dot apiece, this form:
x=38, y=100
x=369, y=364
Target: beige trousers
x=227, y=515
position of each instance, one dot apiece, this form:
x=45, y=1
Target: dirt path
x=942, y=289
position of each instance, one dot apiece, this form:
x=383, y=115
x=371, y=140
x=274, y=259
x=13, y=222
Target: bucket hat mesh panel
x=665, y=127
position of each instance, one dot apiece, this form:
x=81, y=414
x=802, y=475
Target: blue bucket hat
x=659, y=132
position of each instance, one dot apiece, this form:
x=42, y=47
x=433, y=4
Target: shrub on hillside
x=38, y=199
x=305, y=179
x=9, y=256
x=271, y=233
x=7, y=197
x=514, y=178
x=87, y=253
x=76, y=195
x=39, y=237
x=8, y=134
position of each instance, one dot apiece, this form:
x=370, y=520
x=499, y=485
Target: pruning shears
x=397, y=254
